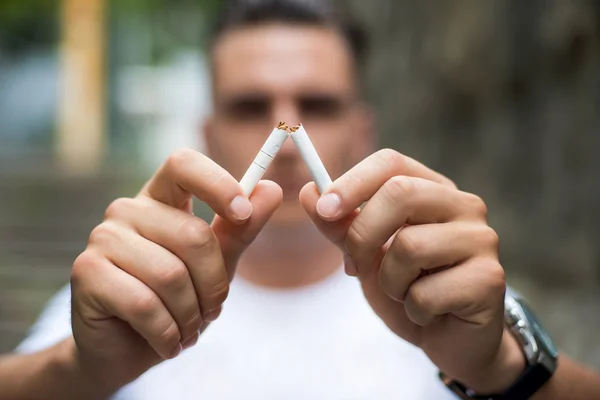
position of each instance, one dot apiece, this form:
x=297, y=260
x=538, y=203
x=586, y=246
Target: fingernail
x=349, y=266
x=241, y=208
x=176, y=352
x=212, y=315
x=190, y=342
x=329, y=205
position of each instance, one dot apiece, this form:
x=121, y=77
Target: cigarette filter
x=264, y=158
x=311, y=158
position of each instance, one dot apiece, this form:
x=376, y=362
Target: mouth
x=291, y=183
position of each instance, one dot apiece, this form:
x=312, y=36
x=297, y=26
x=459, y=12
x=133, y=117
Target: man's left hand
x=427, y=262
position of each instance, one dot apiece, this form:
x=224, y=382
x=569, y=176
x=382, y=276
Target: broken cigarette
x=264, y=158
x=310, y=157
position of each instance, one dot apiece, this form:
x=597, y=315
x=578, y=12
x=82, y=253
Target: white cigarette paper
x=311, y=158
x=264, y=158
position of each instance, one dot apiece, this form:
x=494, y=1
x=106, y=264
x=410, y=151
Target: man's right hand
x=153, y=275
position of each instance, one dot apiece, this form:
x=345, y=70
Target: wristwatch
x=540, y=354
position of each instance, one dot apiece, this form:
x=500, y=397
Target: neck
x=289, y=258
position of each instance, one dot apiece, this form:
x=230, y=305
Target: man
x=153, y=314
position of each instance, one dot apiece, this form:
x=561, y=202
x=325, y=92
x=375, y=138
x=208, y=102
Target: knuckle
x=496, y=278
x=194, y=322
x=196, y=233
x=218, y=179
x=418, y=298
x=476, y=205
x=118, y=208
x=354, y=179
x=357, y=235
x=103, y=233
x=217, y=294
x=400, y=187
x=406, y=247
x=390, y=285
x=170, y=336
x=173, y=276
x=408, y=163
x=144, y=304
x=449, y=183
x=490, y=237
x=180, y=159
x=392, y=159
x=82, y=266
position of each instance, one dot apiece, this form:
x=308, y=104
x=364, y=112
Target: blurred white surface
x=168, y=102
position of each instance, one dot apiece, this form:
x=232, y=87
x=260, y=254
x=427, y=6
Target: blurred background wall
x=500, y=95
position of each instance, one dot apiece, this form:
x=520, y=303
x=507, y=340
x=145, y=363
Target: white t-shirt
x=317, y=342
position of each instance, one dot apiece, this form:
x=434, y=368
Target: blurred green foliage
x=18, y=10
x=137, y=6
x=26, y=24
x=14, y=11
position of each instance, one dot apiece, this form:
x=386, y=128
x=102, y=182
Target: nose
x=288, y=112
x=288, y=149
x=285, y=110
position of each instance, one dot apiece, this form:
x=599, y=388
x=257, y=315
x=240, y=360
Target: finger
x=191, y=341
x=156, y=267
x=404, y=200
x=335, y=231
x=470, y=292
x=233, y=238
x=190, y=238
x=116, y=293
x=362, y=181
x=420, y=248
x=187, y=173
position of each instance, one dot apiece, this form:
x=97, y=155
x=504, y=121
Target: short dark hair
x=242, y=13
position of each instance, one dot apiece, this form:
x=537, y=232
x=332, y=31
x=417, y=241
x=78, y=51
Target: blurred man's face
x=297, y=74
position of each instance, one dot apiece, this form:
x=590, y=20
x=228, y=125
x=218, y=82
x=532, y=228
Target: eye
x=247, y=108
x=321, y=106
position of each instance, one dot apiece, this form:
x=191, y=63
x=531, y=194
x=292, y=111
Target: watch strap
x=528, y=383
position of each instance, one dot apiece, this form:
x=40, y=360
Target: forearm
x=571, y=381
x=49, y=374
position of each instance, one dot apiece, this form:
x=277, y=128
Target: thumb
x=234, y=239
x=335, y=231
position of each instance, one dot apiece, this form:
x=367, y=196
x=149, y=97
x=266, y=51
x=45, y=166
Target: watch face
x=545, y=343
